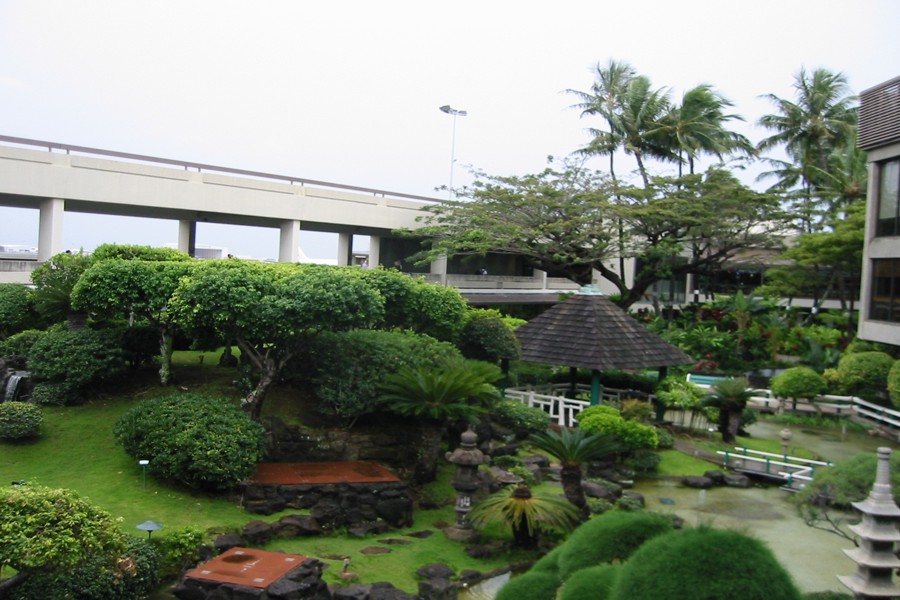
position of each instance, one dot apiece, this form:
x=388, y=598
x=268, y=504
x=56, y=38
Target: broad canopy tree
x=566, y=222
x=267, y=309
x=135, y=288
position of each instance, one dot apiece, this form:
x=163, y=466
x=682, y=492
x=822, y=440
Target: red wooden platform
x=315, y=473
x=247, y=566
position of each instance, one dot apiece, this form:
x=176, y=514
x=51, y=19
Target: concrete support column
x=439, y=267
x=289, y=242
x=50, y=228
x=345, y=247
x=187, y=237
x=374, y=251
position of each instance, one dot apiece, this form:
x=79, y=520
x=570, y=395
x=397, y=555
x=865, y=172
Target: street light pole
x=454, y=113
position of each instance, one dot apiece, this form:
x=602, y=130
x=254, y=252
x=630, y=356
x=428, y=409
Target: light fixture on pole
x=144, y=464
x=454, y=113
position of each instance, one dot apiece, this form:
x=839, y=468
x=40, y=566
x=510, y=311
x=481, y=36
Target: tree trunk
x=570, y=477
x=521, y=538
x=166, y=345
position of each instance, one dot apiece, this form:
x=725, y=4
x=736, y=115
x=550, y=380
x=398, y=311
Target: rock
x=227, y=542
x=639, y=498
x=396, y=511
x=425, y=533
x=717, y=476
x=292, y=526
x=257, y=533
x=698, y=482
x=738, y=480
x=539, y=460
x=386, y=591
x=596, y=490
x=434, y=570
x=437, y=589
x=505, y=477
x=245, y=592
x=352, y=592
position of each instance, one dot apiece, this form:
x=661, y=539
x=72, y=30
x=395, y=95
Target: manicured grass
x=674, y=463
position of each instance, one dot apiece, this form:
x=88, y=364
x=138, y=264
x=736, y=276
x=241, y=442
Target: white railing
x=796, y=472
x=562, y=410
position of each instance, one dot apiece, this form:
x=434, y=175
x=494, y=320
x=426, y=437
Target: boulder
x=738, y=480
x=257, y=533
x=698, y=482
x=292, y=526
x=435, y=570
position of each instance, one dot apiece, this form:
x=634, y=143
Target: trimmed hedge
x=19, y=421
x=702, y=563
x=80, y=358
x=592, y=583
x=865, y=374
x=521, y=418
x=201, y=441
x=530, y=586
x=608, y=538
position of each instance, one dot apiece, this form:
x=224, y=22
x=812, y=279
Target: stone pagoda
x=877, y=533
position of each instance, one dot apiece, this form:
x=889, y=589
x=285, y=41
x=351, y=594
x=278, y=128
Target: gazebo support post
x=660, y=407
x=573, y=382
x=596, y=387
x=504, y=383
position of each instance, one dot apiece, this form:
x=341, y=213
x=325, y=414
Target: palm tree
x=730, y=396
x=526, y=513
x=697, y=126
x=821, y=120
x=642, y=109
x=573, y=448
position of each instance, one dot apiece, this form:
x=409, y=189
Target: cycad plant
x=457, y=390
x=573, y=448
x=730, y=396
x=526, y=512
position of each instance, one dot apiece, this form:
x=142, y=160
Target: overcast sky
x=349, y=91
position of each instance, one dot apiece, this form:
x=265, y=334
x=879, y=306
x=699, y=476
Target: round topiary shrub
x=893, y=383
x=592, y=583
x=865, y=374
x=19, y=421
x=201, y=441
x=57, y=393
x=539, y=585
x=798, y=382
x=610, y=537
x=704, y=563
x=549, y=563
x=521, y=418
x=486, y=336
x=80, y=358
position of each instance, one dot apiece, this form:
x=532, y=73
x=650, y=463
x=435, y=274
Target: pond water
x=814, y=558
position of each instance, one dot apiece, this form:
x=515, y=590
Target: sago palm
x=457, y=390
x=527, y=513
x=730, y=396
x=573, y=448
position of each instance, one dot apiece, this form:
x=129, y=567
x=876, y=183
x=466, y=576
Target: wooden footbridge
x=792, y=471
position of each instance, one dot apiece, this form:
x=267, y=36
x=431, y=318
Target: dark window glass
x=885, y=302
x=888, y=199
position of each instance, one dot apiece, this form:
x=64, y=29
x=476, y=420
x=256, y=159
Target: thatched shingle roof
x=589, y=331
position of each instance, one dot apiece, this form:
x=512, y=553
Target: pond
x=814, y=558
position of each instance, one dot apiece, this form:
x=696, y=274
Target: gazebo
x=588, y=331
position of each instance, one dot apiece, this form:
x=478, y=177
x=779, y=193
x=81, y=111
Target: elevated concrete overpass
x=55, y=178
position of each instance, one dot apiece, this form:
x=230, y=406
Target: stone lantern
x=467, y=458
x=875, y=557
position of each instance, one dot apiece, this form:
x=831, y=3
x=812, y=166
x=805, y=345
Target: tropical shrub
x=524, y=420
x=133, y=576
x=506, y=461
x=527, y=514
x=699, y=563
x=798, y=382
x=530, y=586
x=55, y=393
x=630, y=434
x=180, y=549
x=16, y=309
x=347, y=368
x=609, y=538
x=486, y=336
x=847, y=481
x=678, y=392
x=81, y=358
x=893, y=383
x=201, y=441
x=19, y=421
x=665, y=439
x=865, y=374
x=454, y=390
x=15, y=348
x=591, y=583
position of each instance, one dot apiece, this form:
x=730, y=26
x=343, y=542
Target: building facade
x=879, y=136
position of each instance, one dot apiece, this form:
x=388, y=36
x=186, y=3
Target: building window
x=889, y=199
x=885, y=301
